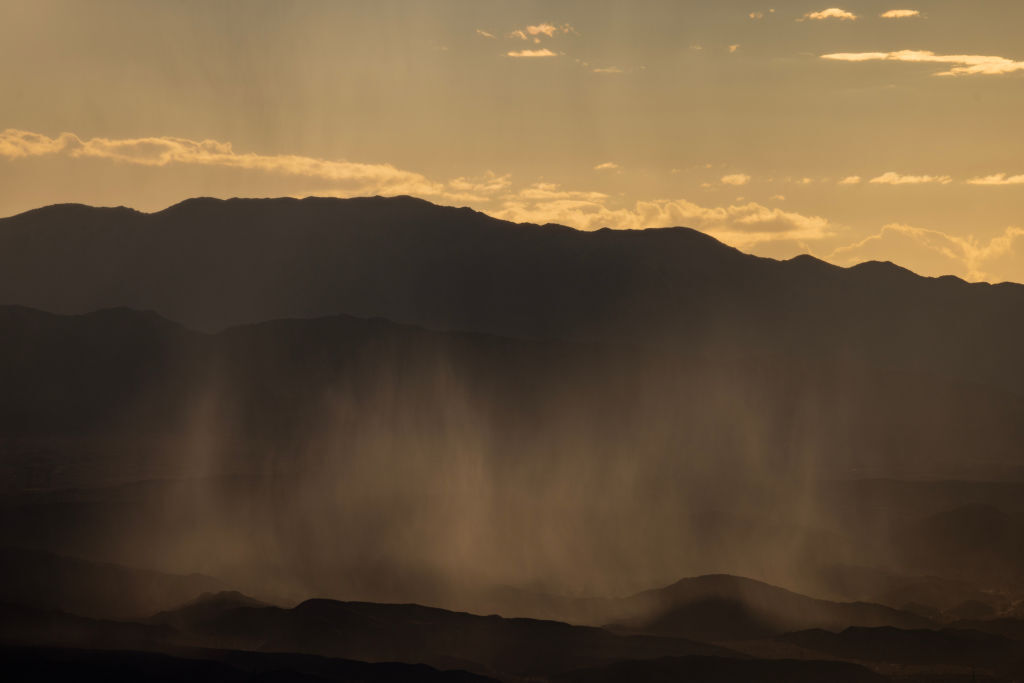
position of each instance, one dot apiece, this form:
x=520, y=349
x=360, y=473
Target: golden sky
x=863, y=130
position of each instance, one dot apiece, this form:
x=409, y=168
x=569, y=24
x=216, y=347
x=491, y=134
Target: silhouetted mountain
x=117, y=666
x=45, y=580
x=31, y=626
x=210, y=264
x=439, y=638
x=206, y=606
x=919, y=647
x=1006, y=627
x=722, y=608
x=929, y=596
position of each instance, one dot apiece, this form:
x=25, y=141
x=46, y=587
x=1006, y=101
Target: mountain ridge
x=207, y=202
x=210, y=264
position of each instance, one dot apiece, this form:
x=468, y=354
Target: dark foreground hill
x=440, y=638
x=47, y=665
x=210, y=264
x=714, y=670
x=923, y=648
x=368, y=632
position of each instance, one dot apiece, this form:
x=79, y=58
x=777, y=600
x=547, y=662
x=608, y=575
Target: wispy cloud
x=15, y=144
x=536, y=31
x=485, y=34
x=998, y=179
x=933, y=252
x=900, y=14
x=741, y=225
x=346, y=176
x=480, y=189
x=736, y=179
x=831, y=13
x=893, y=178
x=962, y=65
x=606, y=166
x=850, y=180
x=543, y=52
x=608, y=70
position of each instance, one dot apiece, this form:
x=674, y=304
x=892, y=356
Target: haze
x=502, y=340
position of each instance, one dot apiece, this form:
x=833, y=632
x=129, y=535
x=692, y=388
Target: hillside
x=210, y=264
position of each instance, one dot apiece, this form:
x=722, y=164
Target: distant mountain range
x=211, y=264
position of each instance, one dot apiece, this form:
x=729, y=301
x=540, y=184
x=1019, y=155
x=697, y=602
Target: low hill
x=723, y=607
x=713, y=670
x=439, y=638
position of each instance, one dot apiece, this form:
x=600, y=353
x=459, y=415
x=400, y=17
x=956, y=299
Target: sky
x=859, y=131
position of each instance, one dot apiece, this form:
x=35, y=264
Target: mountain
x=22, y=625
x=205, y=607
x=723, y=608
x=46, y=580
x=214, y=627
x=210, y=264
x=46, y=664
x=931, y=648
x=931, y=596
x=411, y=633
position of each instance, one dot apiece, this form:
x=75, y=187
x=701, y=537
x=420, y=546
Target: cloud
x=933, y=252
x=551, y=192
x=536, y=31
x=850, y=180
x=756, y=15
x=463, y=189
x=963, y=65
x=608, y=70
x=484, y=33
x=736, y=179
x=347, y=177
x=733, y=48
x=998, y=179
x=831, y=13
x=545, y=29
x=543, y=52
x=606, y=166
x=900, y=14
x=892, y=178
x=741, y=225
x=15, y=144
